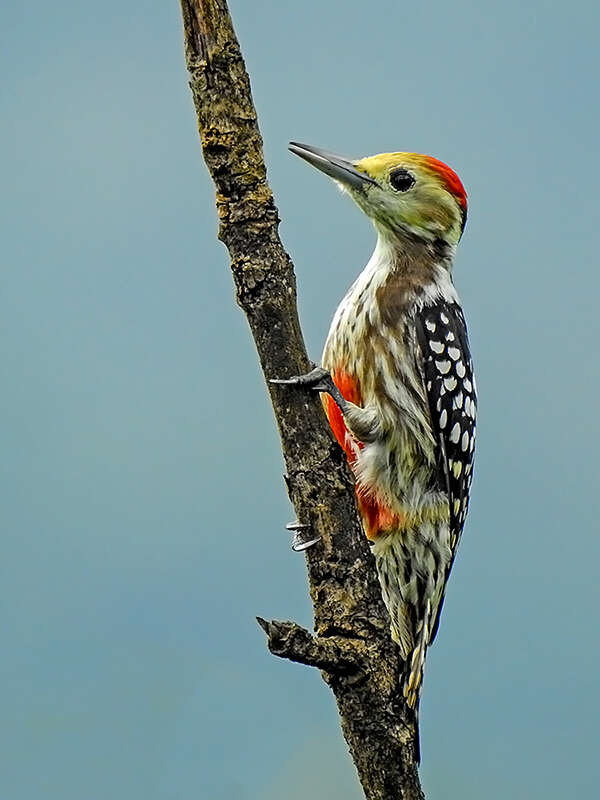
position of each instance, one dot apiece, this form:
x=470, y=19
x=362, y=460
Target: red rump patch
x=450, y=178
x=376, y=517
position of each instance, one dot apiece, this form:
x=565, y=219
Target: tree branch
x=334, y=654
x=350, y=619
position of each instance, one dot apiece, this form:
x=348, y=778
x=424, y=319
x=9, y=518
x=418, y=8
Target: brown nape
x=414, y=268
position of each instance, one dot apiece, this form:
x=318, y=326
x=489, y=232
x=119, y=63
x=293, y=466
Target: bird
x=396, y=379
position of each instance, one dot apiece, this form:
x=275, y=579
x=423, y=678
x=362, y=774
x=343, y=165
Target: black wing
x=451, y=394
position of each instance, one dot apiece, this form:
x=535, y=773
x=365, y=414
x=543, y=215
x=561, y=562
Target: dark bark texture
x=351, y=644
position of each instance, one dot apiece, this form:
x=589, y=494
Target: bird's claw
x=296, y=526
x=299, y=545
x=317, y=380
x=298, y=542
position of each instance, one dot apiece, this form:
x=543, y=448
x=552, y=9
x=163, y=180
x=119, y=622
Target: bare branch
x=334, y=654
x=350, y=619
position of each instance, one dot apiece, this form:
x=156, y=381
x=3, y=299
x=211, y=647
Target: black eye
x=401, y=180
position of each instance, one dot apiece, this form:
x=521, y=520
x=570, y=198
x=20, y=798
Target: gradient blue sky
x=142, y=499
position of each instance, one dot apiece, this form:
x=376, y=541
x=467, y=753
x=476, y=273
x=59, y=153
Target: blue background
x=140, y=472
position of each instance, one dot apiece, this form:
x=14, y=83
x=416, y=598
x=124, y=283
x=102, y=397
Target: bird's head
x=407, y=195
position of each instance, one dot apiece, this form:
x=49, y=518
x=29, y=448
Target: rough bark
x=351, y=645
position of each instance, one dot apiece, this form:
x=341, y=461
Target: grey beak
x=338, y=168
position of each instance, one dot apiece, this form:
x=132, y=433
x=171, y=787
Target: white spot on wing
x=430, y=325
x=461, y=370
x=450, y=383
x=465, y=440
x=443, y=418
x=455, y=433
x=437, y=347
x=443, y=366
x=454, y=353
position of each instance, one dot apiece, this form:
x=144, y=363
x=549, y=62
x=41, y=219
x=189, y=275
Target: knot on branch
x=334, y=654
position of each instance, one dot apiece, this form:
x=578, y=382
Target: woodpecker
x=398, y=387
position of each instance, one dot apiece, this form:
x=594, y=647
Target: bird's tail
x=410, y=616
x=413, y=673
x=410, y=611
x=412, y=677
x=417, y=739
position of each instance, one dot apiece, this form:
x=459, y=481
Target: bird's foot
x=299, y=543
x=317, y=380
